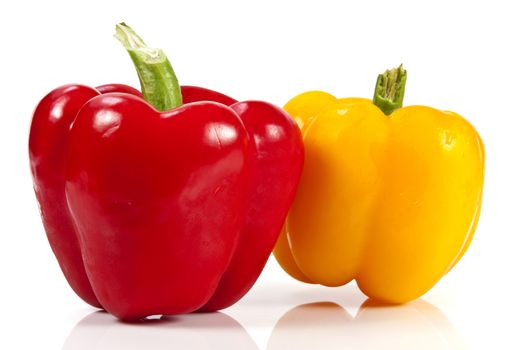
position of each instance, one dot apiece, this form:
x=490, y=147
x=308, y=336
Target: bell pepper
x=389, y=196
x=152, y=206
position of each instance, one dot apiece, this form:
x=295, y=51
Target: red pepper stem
x=390, y=89
x=158, y=81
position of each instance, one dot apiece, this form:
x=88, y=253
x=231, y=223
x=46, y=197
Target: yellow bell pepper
x=389, y=196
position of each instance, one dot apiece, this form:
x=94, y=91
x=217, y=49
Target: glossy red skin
x=192, y=178
x=196, y=94
x=278, y=152
x=47, y=153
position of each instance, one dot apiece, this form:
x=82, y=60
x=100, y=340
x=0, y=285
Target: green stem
x=390, y=89
x=158, y=81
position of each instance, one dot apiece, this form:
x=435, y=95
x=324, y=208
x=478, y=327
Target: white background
x=462, y=56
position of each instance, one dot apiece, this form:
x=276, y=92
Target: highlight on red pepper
x=164, y=202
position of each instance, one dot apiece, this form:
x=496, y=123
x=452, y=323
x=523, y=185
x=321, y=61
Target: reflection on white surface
x=327, y=325
x=100, y=330
x=320, y=325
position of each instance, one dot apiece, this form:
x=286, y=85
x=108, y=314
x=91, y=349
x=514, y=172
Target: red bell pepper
x=161, y=208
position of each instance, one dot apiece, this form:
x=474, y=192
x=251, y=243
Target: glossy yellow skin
x=391, y=201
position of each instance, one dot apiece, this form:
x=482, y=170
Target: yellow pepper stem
x=390, y=89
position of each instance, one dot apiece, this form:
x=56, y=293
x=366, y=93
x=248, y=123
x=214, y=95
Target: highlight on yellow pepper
x=390, y=196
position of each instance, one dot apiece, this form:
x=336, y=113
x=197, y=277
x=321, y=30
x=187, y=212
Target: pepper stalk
x=158, y=81
x=390, y=89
